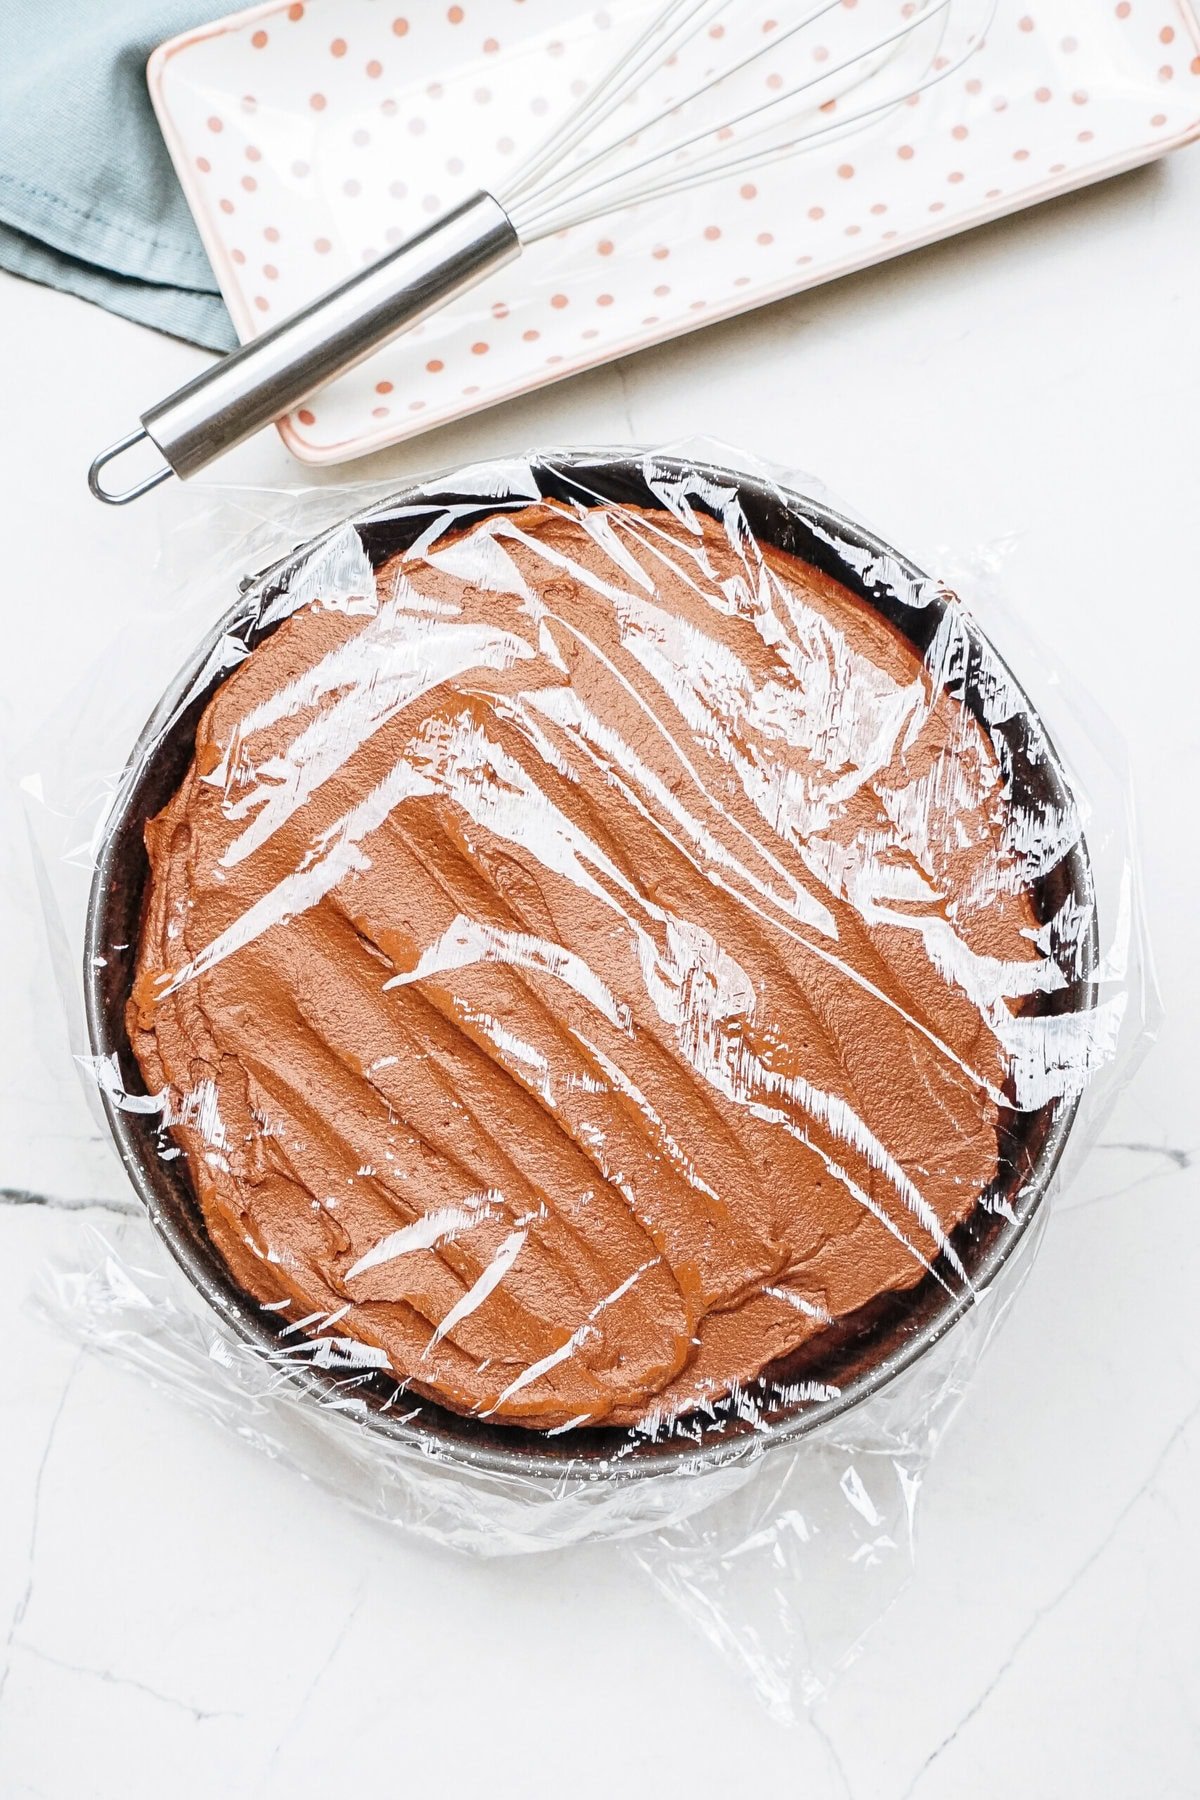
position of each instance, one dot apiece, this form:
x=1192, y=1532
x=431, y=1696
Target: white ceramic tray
x=308, y=137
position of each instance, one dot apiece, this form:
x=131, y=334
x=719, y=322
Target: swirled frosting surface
x=579, y=972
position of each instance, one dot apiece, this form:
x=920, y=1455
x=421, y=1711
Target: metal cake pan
x=859, y=1356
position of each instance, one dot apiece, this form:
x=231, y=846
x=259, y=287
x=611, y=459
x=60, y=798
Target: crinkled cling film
x=592, y=968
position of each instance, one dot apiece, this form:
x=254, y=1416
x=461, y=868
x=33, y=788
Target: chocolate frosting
x=578, y=975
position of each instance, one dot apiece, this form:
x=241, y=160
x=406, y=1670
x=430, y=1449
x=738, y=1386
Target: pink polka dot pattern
x=318, y=136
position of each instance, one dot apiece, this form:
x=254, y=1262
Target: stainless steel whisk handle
x=268, y=376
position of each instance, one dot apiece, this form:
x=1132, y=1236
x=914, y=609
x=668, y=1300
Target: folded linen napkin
x=88, y=199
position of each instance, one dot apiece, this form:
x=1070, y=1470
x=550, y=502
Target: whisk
x=683, y=103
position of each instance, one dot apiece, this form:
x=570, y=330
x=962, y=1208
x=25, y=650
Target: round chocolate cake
x=584, y=974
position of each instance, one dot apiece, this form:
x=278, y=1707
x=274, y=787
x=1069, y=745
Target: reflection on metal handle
x=267, y=377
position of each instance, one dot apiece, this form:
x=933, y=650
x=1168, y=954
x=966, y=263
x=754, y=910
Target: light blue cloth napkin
x=88, y=198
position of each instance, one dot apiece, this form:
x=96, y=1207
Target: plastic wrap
x=594, y=967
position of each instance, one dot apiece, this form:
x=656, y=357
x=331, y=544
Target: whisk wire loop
x=564, y=199
x=619, y=83
x=570, y=174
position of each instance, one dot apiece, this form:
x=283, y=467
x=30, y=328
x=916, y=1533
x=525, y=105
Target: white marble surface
x=178, y=1615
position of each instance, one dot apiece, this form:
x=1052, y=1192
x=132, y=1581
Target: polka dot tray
x=310, y=137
